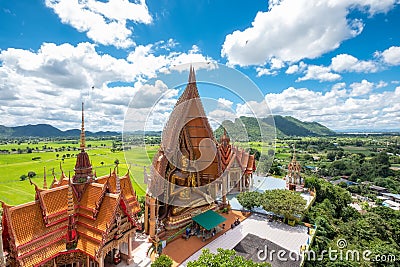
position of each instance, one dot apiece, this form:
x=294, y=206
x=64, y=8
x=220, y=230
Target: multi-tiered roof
x=75, y=215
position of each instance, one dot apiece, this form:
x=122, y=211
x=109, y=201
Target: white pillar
x=229, y=183
x=240, y=183
x=101, y=260
x=130, y=257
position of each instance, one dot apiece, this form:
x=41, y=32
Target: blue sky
x=335, y=62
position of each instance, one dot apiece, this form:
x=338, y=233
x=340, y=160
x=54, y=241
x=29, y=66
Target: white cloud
x=40, y=86
x=103, y=22
x=381, y=84
x=345, y=62
x=292, y=69
x=362, y=88
x=265, y=71
x=292, y=30
x=224, y=103
x=338, y=110
x=295, y=68
x=320, y=73
x=391, y=55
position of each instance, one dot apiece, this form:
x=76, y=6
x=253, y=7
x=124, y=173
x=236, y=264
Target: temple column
x=101, y=260
x=54, y=262
x=240, y=183
x=146, y=215
x=87, y=261
x=229, y=182
x=224, y=181
x=130, y=258
x=152, y=221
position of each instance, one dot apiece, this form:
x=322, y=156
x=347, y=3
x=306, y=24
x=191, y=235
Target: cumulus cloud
x=291, y=30
x=337, y=109
x=362, y=88
x=39, y=86
x=224, y=103
x=349, y=63
x=320, y=73
x=391, y=55
x=103, y=22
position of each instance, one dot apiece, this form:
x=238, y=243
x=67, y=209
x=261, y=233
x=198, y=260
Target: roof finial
x=117, y=184
x=44, y=179
x=82, y=146
x=71, y=208
x=294, y=152
x=192, y=75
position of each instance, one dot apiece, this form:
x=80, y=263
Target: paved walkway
x=288, y=237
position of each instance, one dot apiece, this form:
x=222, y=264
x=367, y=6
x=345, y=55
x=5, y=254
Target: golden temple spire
x=192, y=75
x=54, y=176
x=117, y=184
x=71, y=208
x=82, y=145
x=294, y=152
x=44, y=179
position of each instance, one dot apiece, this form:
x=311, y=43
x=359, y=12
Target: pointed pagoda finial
x=44, y=179
x=294, y=151
x=192, y=75
x=71, y=208
x=54, y=175
x=82, y=145
x=61, y=169
x=117, y=184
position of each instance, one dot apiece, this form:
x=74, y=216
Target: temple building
x=294, y=180
x=191, y=173
x=80, y=221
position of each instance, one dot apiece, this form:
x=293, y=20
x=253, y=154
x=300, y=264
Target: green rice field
x=13, y=191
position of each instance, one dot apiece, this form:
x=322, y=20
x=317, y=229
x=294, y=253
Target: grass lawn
x=12, y=166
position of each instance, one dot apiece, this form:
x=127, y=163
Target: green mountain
x=45, y=130
x=242, y=129
x=248, y=128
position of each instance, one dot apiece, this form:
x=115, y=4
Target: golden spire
x=82, y=146
x=71, y=208
x=44, y=179
x=294, y=152
x=192, y=75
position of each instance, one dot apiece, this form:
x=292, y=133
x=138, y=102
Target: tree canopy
x=225, y=258
x=162, y=261
x=287, y=203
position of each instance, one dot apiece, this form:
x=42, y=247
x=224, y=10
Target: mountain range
x=248, y=128
x=46, y=130
x=241, y=127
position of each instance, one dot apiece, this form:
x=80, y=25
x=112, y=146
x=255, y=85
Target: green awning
x=209, y=219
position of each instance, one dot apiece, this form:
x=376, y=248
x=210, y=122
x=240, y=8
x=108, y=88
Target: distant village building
x=191, y=169
x=78, y=221
x=294, y=180
x=378, y=189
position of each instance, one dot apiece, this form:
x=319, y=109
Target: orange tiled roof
x=46, y=253
x=105, y=213
x=87, y=245
x=27, y=223
x=54, y=201
x=92, y=195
